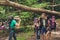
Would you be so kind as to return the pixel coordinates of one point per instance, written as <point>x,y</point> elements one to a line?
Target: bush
<point>24,29</point>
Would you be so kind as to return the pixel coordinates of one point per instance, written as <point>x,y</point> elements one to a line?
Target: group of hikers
<point>44,25</point>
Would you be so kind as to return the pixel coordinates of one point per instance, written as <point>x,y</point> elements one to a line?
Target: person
<point>48,34</point>
<point>37,31</point>
<point>48,26</point>
<point>43,24</point>
<point>12,26</point>
<point>2,26</point>
<point>6,25</point>
<point>53,24</point>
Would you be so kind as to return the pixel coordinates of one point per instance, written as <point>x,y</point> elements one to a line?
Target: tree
<point>26,8</point>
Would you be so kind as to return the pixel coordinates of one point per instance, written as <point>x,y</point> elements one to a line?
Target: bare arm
<point>18,23</point>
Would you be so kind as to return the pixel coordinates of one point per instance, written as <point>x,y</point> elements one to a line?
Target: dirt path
<point>32,38</point>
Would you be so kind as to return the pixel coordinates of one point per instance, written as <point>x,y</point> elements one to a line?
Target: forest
<point>5,11</point>
<point>50,7</point>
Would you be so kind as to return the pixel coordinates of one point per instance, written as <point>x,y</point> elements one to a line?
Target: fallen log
<point>26,8</point>
<point>55,35</point>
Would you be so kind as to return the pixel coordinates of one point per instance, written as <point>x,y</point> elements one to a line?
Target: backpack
<point>1,27</point>
<point>53,23</point>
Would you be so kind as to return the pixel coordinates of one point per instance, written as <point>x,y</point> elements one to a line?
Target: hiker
<point>53,23</point>
<point>12,26</point>
<point>37,31</point>
<point>2,26</point>
<point>43,24</point>
<point>48,28</point>
<point>6,25</point>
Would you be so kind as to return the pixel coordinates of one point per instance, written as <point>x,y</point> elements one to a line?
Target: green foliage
<point>1,8</point>
<point>26,29</point>
<point>28,2</point>
<point>26,17</point>
<point>2,12</point>
<point>41,5</point>
<point>24,36</point>
<point>58,7</point>
<point>25,14</point>
<point>57,1</point>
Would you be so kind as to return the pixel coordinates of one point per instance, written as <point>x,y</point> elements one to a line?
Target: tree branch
<point>26,8</point>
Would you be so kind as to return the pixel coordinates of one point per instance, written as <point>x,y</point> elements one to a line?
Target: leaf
<point>42,5</point>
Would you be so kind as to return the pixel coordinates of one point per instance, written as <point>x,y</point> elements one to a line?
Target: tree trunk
<point>26,8</point>
<point>53,3</point>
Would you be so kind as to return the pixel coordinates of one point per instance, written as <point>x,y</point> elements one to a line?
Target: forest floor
<point>20,36</point>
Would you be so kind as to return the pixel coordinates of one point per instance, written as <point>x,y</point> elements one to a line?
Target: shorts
<point>53,29</point>
<point>43,30</point>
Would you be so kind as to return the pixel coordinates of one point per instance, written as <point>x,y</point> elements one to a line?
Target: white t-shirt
<point>43,22</point>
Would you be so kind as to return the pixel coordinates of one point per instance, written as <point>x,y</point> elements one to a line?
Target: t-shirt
<point>43,22</point>
<point>53,25</point>
<point>1,27</point>
<point>12,24</point>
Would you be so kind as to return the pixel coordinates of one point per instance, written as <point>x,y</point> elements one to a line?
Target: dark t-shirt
<point>53,25</point>
<point>41,23</point>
